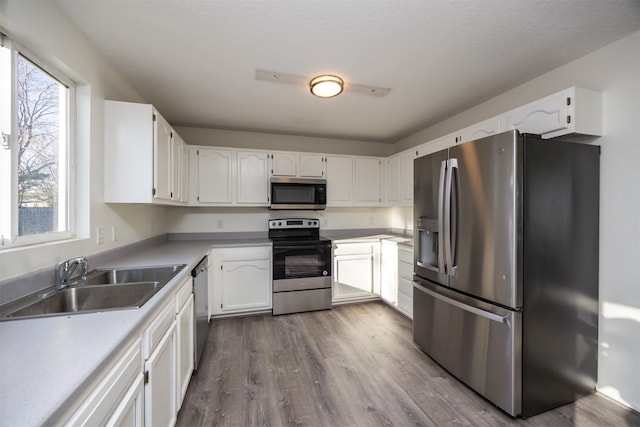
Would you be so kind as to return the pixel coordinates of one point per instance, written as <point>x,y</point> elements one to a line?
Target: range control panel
<point>275,224</point>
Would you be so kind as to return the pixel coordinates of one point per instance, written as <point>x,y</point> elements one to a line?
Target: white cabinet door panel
<point>253,178</point>
<point>160,391</point>
<point>244,285</point>
<point>214,177</point>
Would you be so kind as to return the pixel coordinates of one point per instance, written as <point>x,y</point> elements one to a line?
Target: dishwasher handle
<point>201,267</point>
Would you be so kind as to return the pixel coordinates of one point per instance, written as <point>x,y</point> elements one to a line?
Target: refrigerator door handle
<point>466,307</point>
<point>441,226</point>
<point>449,233</point>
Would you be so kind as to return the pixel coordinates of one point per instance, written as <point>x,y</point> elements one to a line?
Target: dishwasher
<point>201,311</point>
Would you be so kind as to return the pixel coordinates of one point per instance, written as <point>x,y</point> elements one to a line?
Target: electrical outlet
<point>99,235</point>
<point>114,234</point>
<point>220,224</point>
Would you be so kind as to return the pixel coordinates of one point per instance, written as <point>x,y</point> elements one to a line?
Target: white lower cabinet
<point>405,280</point>
<point>241,279</point>
<point>185,340</point>
<point>160,370</point>
<point>356,270</point>
<point>396,271</point>
<point>130,412</point>
<point>146,385</point>
<point>112,395</point>
<point>389,271</point>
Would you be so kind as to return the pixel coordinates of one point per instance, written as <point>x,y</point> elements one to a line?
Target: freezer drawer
<point>477,342</point>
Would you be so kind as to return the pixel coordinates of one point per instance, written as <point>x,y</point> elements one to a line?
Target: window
<point>36,149</point>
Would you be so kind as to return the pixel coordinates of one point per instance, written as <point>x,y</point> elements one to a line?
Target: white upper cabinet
<point>301,165</point>
<point>312,165</point>
<point>393,180</point>
<point>574,110</point>
<point>339,181</point>
<point>210,176</point>
<point>483,129</point>
<point>228,177</point>
<point>406,176</point>
<point>141,164</point>
<point>163,149</point>
<point>284,164</point>
<point>253,178</point>
<point>368,181</point>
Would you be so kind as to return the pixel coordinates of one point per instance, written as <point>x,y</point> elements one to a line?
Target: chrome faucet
<point>65,269</point>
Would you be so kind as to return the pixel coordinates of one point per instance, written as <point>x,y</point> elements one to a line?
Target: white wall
<point>272,141</point>
<point>615,71</point>
<point>214,220</point>
<point>41,27</point>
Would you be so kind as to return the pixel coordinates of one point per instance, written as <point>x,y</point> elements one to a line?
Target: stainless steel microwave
<point>298,193</point>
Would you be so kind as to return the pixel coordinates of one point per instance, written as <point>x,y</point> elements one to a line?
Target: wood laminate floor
<point>354,365</point>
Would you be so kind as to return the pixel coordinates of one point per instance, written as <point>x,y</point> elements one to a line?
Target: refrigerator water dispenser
<point>428,243</point>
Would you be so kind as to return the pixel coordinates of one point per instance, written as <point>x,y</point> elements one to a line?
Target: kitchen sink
<point>101,290</point>
<point>162,273</point>
<point>93,298</point>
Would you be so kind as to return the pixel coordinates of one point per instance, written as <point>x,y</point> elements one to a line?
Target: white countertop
<point>47,364</point>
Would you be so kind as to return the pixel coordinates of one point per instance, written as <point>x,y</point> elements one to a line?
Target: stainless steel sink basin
<point>92,298</point>
<point>103,289</point>
<point>162,273</point>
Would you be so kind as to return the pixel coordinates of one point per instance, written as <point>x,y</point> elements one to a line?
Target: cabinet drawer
<point>246,253</point>
<point>106,397</point>
<point>186,289</point>
<point>405,287</point>
<point>353,248</point>
<point>405,270</point>
<point>405,255</point>
<point>153,334</point>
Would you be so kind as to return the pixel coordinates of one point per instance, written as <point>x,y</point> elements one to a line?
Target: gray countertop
<point>47,365</point>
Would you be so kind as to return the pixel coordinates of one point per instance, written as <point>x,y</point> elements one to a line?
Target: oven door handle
<point>305,246</point>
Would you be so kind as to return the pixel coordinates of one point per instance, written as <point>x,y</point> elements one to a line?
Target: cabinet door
<point>405,282</point>
<point>185,349</point>
<point>177,167</point>
<point>368,178</point>
<point>483,129</point>
<point>160,390</point>
<point>389,271</point>
<point>214,176</point>
<point>246,285</point>
<point>356,270</point>
<point>393,180</point>
<point>184,175</point>
<point>312,165</point>
<point>111,395</point>
<point>339,180</point>
<point>284,164</point>
<point>406,176</point>
<point>130,412</point>
<point>353,276</point>
<point>253,178</point>
<point>162,158</point>
<point>545,116</point>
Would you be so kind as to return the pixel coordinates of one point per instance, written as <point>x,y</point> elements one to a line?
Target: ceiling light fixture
<point>326,86</point>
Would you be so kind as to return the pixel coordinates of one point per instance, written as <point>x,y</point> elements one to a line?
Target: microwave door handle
<point>443,172</point>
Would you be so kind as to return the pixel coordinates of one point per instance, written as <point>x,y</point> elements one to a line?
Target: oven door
<point>297,259</point>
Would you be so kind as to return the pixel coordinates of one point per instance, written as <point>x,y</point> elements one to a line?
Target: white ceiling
<point>196,60</point>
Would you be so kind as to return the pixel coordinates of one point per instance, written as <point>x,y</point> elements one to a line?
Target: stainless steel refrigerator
<point>506,267</point>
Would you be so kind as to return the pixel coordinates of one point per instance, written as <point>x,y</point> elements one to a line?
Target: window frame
<point>68,175</point>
